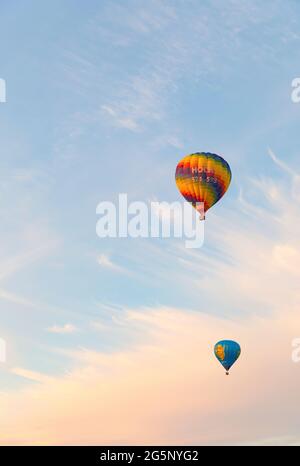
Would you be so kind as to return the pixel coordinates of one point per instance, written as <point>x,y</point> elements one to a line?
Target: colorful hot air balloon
<point>227,352</point>
<point>203,178</point>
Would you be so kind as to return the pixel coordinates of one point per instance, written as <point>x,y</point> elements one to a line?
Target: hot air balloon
<point>202,178</point>
<point>227,352</point>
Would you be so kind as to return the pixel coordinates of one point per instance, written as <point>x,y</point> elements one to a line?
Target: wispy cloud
<point>13,264</point>
<point>281,164</point>
<point>31,375</point>
<point>123,122</point>
<point>62,329</point>
<point>172,54</point>
<point>105,261</point>
<point>16,299</point>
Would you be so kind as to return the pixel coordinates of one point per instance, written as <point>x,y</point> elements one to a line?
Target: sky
<point>110,340</point>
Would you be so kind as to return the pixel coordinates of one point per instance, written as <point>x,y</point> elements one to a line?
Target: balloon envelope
<point>203,177</point>
<point>227,352</point>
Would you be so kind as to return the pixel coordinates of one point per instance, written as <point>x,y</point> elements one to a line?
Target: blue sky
<point>105,98</point>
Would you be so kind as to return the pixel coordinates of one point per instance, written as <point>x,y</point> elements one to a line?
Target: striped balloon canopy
<point>203,178</point>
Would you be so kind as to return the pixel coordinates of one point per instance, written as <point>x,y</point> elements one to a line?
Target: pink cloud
<point>168,390</point>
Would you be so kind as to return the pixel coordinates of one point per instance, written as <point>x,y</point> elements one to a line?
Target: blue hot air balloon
<point>227,352</point>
